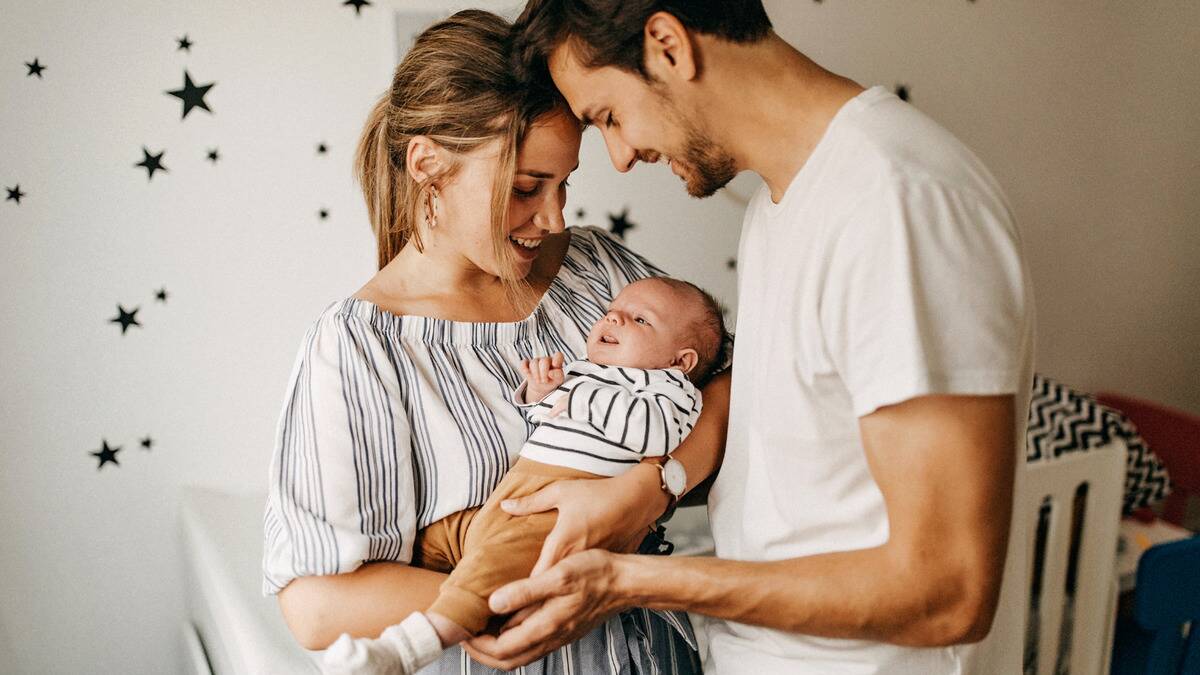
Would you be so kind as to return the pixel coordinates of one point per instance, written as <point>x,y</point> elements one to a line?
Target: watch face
<point>675,477</point>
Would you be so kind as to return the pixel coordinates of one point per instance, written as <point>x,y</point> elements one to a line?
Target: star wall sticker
<point>902,92</point>
<point>322,148</point>
<point>126,318</point>
<point>323,214</point>
<point>106,454</point>
<point>213,155</point>
<point>151,162</point>
<point>14,194</point>
<point>191,95</point>
<point>35,68</point>
<point>147,443</point>
<point>161,295</point>
<point>619,224</point>
<point>185,45</point>
<point>357,4</point>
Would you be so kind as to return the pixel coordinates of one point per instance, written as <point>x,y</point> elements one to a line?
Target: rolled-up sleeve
<point>341,479</point>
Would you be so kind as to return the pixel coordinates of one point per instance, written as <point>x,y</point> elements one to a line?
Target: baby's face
<point>644,327</point>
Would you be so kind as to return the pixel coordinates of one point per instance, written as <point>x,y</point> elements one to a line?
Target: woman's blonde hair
<point>456,87</point>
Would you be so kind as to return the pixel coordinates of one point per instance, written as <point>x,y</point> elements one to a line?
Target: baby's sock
<point>402,649</point>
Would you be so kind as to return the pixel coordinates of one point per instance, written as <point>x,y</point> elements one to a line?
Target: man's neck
<point>769,105</point>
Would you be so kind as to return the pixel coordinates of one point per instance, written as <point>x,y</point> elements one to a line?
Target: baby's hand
<point>544,374</point>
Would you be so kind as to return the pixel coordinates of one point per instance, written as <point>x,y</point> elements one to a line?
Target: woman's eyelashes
<point>609,122</point>
<point>533,192</point>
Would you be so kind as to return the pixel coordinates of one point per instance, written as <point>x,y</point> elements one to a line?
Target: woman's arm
<point>362,603</point>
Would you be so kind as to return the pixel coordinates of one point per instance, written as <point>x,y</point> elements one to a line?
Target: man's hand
<point>543,374</point>
<point>566,602</point>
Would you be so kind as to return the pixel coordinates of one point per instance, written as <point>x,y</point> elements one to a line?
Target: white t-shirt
<point>890,269</point>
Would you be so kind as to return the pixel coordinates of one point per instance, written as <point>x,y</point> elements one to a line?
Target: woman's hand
<point>608,513</point>
<point>556,607</point>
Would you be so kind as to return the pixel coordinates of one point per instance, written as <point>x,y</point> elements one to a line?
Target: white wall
<point>1084,113</point>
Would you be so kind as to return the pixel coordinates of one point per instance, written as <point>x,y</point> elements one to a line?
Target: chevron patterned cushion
<point>1062,420</point>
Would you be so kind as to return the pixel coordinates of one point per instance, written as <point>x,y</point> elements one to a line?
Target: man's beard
<point>706,167</point>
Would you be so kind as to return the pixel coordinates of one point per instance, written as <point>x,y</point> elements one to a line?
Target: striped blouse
<point>392,422</point>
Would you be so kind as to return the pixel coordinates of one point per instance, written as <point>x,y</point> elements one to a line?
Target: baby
<point>635,396</point>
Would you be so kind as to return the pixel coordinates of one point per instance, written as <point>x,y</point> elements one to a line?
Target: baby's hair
<point>707,332</point>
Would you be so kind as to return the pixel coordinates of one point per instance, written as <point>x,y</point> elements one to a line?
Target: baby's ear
<point>685,360</point>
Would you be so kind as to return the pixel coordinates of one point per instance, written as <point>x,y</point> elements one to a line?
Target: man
<point>881,371</point>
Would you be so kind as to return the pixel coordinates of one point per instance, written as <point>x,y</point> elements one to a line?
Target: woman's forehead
<point>551,146</point>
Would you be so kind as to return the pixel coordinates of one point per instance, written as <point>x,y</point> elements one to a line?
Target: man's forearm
<point>864,594</point>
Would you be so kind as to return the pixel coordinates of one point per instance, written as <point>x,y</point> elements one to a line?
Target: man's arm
<point>944,465</point>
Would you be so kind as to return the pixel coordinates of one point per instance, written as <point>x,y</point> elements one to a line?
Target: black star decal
<point>14,194</point>
<point>321,149</point>
<point>151,162</point>
<point>35,68</point>
<point>902,92</point>
<point>191,95</point>
<point>618,224</point>
<point>580,213</point>
<point>213,155</point>
<point>106,454</point>
<point>126,319</point>
<point>323,213</point>
<point>185,44</point>
<point>357,4</point>
<point>161,295</point>
<point>147,442</point>
<point>731,263</point>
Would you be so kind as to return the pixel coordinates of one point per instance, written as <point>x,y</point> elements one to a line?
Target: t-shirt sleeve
<point>341,480</point>
<point>926,294</point>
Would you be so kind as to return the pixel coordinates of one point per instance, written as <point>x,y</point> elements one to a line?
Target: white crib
<point>1071,510</point>
<point>231,628</point>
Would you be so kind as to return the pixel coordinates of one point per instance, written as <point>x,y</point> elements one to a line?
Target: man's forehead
<point>573,79</point>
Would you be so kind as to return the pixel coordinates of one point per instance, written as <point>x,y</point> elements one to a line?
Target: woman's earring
<point>431,207</point>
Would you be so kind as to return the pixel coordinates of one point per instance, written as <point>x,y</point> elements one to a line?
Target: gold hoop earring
<point>431,206</point>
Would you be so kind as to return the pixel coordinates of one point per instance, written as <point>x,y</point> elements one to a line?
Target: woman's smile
<point>526,249</point>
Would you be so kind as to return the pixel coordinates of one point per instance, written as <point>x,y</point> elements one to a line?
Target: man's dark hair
<point>610,32</point>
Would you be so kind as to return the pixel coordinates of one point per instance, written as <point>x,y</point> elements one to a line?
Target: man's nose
<point>622,154</point>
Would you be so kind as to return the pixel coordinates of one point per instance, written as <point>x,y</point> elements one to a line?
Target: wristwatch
<point>674,483</point>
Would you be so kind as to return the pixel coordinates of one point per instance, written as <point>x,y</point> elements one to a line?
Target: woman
<point>398,414</point>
